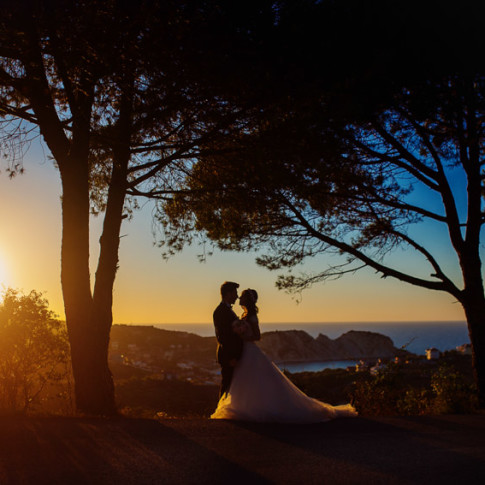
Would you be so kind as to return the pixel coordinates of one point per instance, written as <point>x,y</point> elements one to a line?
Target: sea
<point>414,336</point>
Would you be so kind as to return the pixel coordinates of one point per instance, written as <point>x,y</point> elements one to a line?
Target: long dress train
<point>260,392</point>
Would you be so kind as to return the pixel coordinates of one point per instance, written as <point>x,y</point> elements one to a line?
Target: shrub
<point>380,394</point>
<point>417,388</point>
<point>34,354</point>
<point>330,385</point>
<point>452,393</point>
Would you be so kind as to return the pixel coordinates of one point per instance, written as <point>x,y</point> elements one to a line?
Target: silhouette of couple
<point>253,388</point>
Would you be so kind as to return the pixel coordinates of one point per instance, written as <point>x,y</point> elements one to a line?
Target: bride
<point>260,391</point>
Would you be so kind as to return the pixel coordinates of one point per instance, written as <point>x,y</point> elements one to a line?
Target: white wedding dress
<point>260,392</point>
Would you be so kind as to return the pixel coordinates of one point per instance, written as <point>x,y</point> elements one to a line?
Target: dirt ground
<point>401,450</point>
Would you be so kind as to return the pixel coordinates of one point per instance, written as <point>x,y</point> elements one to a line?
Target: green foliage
<point>417,388</point>
<point>414,401</point>
<point>34,354</point>
<point>382,394</point>
<point>452,393</point>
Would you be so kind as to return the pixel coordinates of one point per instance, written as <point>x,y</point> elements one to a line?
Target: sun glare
<point>3,273</point>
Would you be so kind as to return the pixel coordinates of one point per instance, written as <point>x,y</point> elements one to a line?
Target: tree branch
<point>347,248</point>
<point>19,112</point>
<point>444,189</point>
<point>38,92</point>
<point>395,204</point>
<point>406,154</point>
<point>382,157</point>
<point>439,272</point>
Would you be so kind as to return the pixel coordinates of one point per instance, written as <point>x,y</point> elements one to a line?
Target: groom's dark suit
<point>229,346</point>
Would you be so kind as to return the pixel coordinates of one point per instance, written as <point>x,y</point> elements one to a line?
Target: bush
<point>417,388</point>
<point>34,355</point>
<point>384,394</point>
<point>330,385</point>
<point>452,393</point>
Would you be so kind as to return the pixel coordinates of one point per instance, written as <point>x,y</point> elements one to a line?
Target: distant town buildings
<point>165,360</point>
<point>465,349</point>
<point>374,370</point>
<point>432,353</point>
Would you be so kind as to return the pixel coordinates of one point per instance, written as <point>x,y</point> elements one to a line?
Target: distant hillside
<point>165,352</point>
<point>172,351</point>
<point>164,342</point>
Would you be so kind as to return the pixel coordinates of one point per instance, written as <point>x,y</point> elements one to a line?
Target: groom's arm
<point>225,334</point>
<point>223,325</point>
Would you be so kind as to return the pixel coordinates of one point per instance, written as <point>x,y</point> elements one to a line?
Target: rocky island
<point>299,346</point>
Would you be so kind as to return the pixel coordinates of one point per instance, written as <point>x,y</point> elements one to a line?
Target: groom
<point>230,345</point>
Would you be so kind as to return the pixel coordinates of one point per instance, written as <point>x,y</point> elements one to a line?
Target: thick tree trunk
<point>88,320</point>
<point>474,306</point>
<point>93,383</point>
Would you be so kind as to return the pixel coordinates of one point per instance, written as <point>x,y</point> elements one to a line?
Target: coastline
<point>295,367</point>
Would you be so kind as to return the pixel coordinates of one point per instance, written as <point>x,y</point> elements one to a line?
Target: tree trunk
<point>102,315</point>
<point>93,383</point>
<point>88,323</point>
<point>474,306</point>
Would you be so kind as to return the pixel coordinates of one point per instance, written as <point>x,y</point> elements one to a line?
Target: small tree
<point>34,350</point>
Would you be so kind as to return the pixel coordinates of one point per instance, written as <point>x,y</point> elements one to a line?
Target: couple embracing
<point>253,388</point>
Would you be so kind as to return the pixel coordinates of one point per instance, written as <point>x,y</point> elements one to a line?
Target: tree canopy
<point>350,164</point>
<point>124,95</point>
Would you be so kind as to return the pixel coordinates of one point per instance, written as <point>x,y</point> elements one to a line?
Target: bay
<point>294,367</point>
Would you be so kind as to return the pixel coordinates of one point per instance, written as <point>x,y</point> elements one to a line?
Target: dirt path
<point>430,450</point>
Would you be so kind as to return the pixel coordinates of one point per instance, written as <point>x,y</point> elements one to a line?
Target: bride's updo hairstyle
<point>248,299</point>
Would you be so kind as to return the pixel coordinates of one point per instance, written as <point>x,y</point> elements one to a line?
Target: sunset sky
<point>182,290</point>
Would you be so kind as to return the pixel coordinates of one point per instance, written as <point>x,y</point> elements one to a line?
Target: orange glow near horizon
<point>361,298</point>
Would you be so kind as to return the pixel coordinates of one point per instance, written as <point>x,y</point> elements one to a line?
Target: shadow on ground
<point>448,449</point>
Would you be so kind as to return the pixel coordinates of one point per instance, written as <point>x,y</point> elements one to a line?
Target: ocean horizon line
<point>357,322</point>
